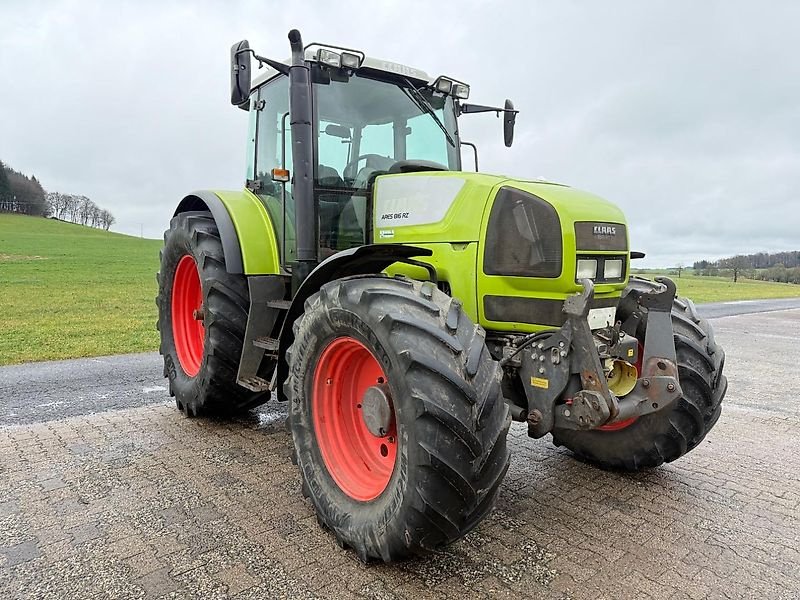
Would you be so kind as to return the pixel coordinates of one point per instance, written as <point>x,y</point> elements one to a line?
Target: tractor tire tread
<point>462,459</point>
<point>213,391</point>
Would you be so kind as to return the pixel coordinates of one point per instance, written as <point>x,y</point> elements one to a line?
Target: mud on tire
<point>451,419</point>
<point>665,435</point>
<point>213,389</point>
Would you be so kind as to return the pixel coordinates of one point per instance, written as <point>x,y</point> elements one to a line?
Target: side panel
<point>247,225</point>
<point>430,207</point>
<point>454,264</point>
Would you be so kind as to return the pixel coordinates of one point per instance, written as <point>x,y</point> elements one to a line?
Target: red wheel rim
<point>626,422</point>
<point>359,462</point>
<point>187,331</point>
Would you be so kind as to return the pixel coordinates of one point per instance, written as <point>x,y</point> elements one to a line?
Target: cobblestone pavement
<point>141,502</point>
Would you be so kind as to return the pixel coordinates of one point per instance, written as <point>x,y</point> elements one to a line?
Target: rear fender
<point>245,227</point>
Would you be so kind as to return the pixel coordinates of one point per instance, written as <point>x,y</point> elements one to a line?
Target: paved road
<point>140,502</point>
<point>40,392</point>
<point>714,310</point>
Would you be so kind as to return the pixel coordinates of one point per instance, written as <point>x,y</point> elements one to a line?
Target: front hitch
<point>547,369</point>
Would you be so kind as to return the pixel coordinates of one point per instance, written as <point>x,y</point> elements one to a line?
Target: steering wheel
<point>351,167</point>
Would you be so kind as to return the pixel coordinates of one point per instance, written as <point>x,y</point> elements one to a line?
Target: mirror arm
<point>262,60</point>
<point>479,108</point>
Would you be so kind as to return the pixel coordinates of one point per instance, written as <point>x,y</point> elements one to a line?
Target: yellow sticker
<point>630,352</point>
<point>540,382</point>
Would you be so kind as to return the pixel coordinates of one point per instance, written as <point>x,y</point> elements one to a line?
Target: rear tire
<point>666,435</point>
<point>449,418</point>
<point>201,361</point>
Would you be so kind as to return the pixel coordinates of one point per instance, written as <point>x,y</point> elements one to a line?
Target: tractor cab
<point>369,117</point>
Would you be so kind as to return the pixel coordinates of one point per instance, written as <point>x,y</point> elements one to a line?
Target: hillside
<point>69,290</point>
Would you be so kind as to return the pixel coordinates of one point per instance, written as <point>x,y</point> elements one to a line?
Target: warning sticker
<point>386,233</point>
<point>540,382</point>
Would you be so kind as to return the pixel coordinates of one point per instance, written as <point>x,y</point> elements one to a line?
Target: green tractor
<point>408,310</point>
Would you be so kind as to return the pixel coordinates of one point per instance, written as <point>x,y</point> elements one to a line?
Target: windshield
<point>367,125</point>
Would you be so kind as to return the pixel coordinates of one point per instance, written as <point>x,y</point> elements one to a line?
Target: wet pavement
<point>136,501</point>
<point>41,392</point>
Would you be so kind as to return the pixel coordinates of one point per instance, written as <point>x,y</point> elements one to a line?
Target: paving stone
<point>141,502</point>
<point>20,553</point>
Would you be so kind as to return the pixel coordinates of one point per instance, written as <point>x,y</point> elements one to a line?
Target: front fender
<point>364,260</point>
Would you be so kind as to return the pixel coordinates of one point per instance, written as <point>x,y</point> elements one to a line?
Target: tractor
<point>408,310</point>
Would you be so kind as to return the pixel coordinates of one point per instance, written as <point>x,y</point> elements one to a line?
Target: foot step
<point>254,384</point>
<point>267,343</point>
<point>279,304</point>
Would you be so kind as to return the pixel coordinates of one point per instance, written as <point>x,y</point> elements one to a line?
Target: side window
<point>273,148</point>
<point>273,104</point>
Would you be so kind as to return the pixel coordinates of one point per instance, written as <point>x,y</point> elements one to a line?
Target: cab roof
<point>374,64</point>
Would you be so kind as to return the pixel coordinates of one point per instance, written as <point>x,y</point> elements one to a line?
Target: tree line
<point>783,267</point>
<point>25,195</point>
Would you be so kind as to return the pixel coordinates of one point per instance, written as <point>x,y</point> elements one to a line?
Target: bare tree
<point>107,219</point>
<point>737,264</point>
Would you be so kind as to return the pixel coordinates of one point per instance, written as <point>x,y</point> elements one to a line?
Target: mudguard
<point>245,227</point>
<point>364,260</point>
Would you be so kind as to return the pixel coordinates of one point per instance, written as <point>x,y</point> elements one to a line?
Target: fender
<point>364,260</point>
<point>245,227</point>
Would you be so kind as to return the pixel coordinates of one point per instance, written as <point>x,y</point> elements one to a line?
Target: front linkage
<point>567,365</point>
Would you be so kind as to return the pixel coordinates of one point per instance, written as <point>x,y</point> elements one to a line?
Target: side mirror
<point>509,118</point>
<point>339,131</point>
<point>240,73</point>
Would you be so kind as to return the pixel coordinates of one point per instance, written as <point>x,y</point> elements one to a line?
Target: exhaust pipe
<point>302,161</point>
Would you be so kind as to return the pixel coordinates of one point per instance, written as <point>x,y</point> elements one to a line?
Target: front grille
<point>593,235</point>
<point>535,311</point>
<point>523,237</point>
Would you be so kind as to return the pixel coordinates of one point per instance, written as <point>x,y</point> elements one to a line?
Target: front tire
<point>202,315</point>
<point>433,470</point>
<point>666,435</point>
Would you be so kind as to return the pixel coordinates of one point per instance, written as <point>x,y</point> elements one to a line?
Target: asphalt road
<point>40,392</point>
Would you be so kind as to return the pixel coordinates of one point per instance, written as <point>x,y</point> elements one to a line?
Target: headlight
<point>587,268</point>
<point>350,60</point>
<point>329,57</point>
<point>461,90</point>
<point>613,269</point>
<point>444,85</point>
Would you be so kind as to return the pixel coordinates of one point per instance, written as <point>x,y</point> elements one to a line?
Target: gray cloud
<point>686,114</point>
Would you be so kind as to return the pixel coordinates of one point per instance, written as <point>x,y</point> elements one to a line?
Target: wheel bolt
<point>670,387</point>
<point>198,314</point>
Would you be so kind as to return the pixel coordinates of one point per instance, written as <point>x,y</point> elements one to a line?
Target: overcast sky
<point>686,114</point>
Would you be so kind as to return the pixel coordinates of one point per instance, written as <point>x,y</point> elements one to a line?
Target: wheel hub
<point>354,419</point>
<point>376,410</point>
<point>188,330</point>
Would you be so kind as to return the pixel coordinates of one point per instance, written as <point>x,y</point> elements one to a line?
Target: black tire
<point>666,435</point>
<point>451,419</point>
<point>213,390</point>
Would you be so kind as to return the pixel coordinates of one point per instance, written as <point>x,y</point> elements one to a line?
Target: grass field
<point>69,291</point>
<point>722,289</point>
